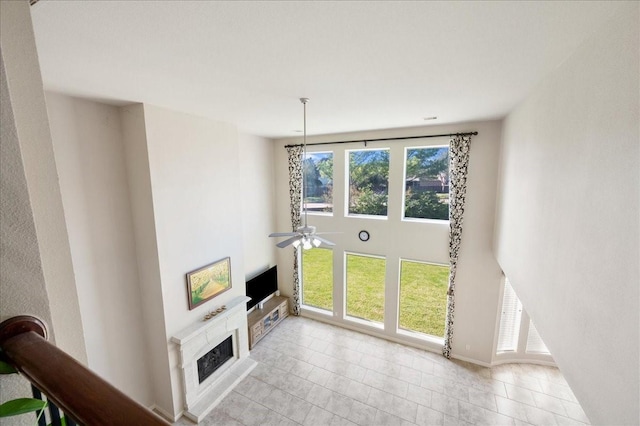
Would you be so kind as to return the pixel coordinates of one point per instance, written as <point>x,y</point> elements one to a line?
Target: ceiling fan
<point>306,234</point>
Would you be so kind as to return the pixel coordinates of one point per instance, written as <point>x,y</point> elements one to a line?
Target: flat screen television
<point>262,286</point>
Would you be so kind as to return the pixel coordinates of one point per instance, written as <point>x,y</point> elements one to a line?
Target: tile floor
<point>311,373</point>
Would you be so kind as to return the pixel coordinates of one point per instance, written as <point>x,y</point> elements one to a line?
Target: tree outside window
<point>318,182</point>
<point>427,183</point>
<point>368,182</point>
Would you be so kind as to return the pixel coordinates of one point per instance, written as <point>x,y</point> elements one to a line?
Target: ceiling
<point>364,65</point>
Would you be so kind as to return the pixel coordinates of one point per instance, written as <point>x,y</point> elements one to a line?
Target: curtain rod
<point>387,139</point>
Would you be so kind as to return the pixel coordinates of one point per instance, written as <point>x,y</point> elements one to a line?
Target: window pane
<point>317,278</point>
<point>368,182</point>
<point>318,181</point>
<point>427,183</point>
<point>509,320</point>
<point>423,297</point>
<point>365,287</point>
<point>534,341</point>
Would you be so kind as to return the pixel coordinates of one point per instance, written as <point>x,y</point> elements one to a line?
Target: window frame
<point>403,218</point>
<point>333,204</point>
<point>520,354</point>
<point>347,185</point>
<point>354,319</point>
<point>302,282</point>
<point>382,229</point>
<point>414,333</point>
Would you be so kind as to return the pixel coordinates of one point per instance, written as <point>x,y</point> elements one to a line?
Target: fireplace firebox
<point>214,359</point>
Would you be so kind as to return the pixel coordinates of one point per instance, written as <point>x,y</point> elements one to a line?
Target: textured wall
<point>24,85</point>
<point>22,289</point>
<point>567,224</point>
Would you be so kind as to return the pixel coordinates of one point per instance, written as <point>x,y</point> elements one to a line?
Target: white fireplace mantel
<point>196,340</point>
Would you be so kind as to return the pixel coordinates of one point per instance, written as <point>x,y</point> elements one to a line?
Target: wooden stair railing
<point>76,390</point>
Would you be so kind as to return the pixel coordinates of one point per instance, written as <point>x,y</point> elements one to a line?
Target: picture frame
<point>208,282</point>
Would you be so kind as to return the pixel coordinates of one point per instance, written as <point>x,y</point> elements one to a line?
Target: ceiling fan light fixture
<point>305,234</point>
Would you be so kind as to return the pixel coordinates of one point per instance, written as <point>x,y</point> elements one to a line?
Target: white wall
<point>149,195</point>
<point>256,178</point>
<point>89,151</point>
<point>194,170</point>
<point>478,279</point>
<point>567,223</point>
<point>144,228</point>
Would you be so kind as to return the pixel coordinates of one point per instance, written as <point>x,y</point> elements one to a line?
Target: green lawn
<point>317,276</point>
<point>365,287</point>
<point>423,289</point>
<point>423,297</point>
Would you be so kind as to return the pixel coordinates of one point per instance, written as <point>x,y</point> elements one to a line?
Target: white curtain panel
<point>458,165</point>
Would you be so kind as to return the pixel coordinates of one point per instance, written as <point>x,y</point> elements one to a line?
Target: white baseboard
<point>525,361</point>
<point>471,360</point>
<point>164,414</point>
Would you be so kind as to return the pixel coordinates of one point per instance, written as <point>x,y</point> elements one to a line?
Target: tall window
<point>358,297</point>
<point>427,183</point>
<point>509,320</point>
<point>365,287</point>
<point>317,278</point>
<point>517,333</point>
<point>318,182</point>
<point>423,297</point>
<point>368,182</point>
<point>534,341</point>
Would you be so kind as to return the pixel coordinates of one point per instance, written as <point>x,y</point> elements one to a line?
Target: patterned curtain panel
<point>295,195</point>
<point>458,164</point>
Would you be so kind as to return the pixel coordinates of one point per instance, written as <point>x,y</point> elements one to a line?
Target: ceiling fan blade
<point>289,241</point>
<point>284,234</point>
<point>325,242</point>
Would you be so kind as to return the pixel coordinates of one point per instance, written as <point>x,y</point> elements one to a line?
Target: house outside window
<point>427,183</point>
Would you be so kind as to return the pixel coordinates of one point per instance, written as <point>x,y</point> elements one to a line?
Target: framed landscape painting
<point>209,281</point>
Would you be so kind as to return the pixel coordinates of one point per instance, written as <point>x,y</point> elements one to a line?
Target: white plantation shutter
<point>509,320</point>
<point>534,341</point>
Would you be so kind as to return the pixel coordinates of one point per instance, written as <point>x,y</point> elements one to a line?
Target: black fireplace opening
<point>213,359</point>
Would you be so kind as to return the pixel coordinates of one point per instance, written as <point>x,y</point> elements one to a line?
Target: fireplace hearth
<point>214,357</point>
